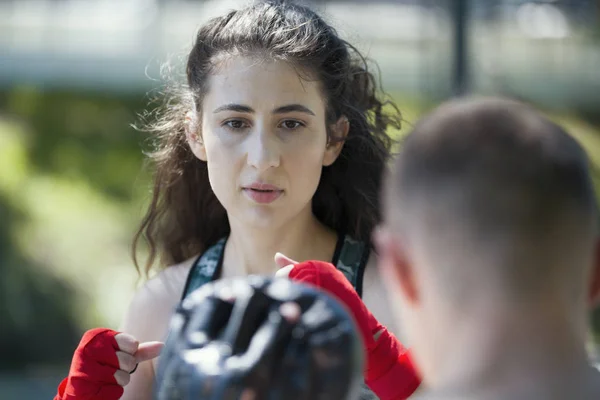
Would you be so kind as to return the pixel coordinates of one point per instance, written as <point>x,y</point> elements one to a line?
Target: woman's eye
<point>291,124</point>
<point>235,124</point>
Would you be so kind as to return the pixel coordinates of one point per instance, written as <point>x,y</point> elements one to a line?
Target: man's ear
<point>594,294</point>
<point>395,266</point>
<point>192,134</point>
<point>335,143</point>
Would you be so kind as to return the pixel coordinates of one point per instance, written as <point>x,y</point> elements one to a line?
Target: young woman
<point>277,144</point>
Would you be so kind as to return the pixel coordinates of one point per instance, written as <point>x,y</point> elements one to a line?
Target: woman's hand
<point>102,365</point>
<point>285,265</point>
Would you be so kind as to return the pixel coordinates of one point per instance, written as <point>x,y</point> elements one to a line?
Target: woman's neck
<point>251,251</point>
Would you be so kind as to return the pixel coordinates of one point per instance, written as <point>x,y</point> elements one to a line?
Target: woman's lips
<point>262,193</point>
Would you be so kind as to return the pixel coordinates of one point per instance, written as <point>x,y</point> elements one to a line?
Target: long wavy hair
<point>184,216</point>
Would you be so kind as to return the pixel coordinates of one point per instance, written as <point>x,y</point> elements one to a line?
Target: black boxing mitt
<point>230,340</point>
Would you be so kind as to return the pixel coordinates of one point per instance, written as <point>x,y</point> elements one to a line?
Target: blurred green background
<point>72,182</point>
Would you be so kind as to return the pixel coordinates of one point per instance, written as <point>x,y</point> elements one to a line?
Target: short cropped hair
<point>491,183</point>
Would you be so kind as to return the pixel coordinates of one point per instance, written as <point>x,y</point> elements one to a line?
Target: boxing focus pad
<point>229,339</point>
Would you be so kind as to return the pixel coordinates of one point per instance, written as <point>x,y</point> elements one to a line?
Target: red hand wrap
<point>92,373</point>
<point>389,371</point>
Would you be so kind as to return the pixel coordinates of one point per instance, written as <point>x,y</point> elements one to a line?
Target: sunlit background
<point>75,73</point>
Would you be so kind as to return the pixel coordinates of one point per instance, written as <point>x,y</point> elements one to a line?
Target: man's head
<point>488,203</point>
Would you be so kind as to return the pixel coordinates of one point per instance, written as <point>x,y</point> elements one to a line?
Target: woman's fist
<point>102,364</point>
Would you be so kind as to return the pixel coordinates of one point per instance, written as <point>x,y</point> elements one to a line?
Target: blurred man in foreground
<point>490,249</point>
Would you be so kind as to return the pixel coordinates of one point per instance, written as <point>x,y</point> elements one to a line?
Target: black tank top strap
<point>351,258</point>
<point>206,268</point>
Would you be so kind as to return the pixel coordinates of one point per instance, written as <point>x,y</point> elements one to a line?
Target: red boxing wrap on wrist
<point>92,373</point>
<point>389,372</point>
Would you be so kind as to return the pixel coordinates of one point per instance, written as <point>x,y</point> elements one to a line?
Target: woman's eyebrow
<point>234,107</point>
<point>279,110</point>
<point>291,108</point>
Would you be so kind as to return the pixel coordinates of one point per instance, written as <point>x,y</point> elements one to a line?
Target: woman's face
<point>264,138</point>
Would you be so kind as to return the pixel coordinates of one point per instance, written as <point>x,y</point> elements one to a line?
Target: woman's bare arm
<point>147,319</point>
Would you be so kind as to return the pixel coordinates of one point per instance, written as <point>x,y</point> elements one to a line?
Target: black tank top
<point>350,258</point>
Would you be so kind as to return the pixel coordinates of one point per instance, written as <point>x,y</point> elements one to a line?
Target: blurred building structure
<point>540,50</point>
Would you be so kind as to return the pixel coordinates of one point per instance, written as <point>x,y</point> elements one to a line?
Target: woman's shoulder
<point>169,282</point>
<point>153,303</point>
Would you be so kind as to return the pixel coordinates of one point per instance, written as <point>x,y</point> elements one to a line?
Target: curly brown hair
<point>184,216</point>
